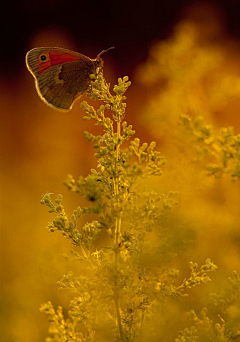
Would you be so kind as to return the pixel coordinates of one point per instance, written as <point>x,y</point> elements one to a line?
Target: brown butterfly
<point>61,75</point>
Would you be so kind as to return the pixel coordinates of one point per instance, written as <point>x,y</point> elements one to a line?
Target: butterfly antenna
<point>103,51</point>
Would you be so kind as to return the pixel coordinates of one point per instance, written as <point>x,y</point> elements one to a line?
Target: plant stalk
<point>117,231</point>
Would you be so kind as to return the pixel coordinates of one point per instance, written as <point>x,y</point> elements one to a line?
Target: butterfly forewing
<point>54,56</point>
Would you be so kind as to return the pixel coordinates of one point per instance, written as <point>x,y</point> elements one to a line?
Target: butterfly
<point>61,75</point>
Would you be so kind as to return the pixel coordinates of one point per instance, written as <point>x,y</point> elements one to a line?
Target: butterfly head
<point>99,61</point>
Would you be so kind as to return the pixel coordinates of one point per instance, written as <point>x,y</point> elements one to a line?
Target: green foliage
<point>122,283</point>
<point>227,323</point>
<point>223,150</point>
<point>187,335</point>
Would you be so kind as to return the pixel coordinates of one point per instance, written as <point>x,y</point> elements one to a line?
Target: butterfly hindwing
<point>61,84</point>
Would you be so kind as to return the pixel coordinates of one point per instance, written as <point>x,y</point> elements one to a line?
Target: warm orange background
<point>194,69</point>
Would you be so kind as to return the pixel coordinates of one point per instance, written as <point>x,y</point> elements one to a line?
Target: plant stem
<point>120,329</point>
<point>117,230</point>
<point>116,190</point>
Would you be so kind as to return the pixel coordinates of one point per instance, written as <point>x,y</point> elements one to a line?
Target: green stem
<point>120,329</point>
<point>116,190</point>
<point>117,230</point>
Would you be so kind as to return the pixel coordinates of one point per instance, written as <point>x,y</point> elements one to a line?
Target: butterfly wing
<point>61,75</point>
<point>61,85</point>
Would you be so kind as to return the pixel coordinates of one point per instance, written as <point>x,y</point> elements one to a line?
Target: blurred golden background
<point>180,59</point>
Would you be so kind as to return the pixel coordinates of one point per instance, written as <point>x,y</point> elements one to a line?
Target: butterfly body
<point>61,75</point>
